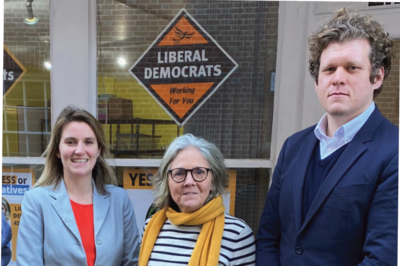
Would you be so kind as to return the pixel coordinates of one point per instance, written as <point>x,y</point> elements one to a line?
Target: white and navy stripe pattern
<point>175,244</point>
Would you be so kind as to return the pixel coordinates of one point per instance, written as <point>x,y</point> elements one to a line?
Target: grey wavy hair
<point>102,173</point>
<point>350,25</point>
<point>210,153</point>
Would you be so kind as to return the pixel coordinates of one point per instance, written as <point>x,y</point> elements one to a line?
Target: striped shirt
<point>175,244</point>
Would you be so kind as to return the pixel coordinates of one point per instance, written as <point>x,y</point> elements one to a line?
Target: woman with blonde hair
<point>192,227</point>
<point>75,215</point>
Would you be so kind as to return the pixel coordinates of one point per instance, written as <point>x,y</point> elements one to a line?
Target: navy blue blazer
<point>48,233</point>
<point>353,217</point>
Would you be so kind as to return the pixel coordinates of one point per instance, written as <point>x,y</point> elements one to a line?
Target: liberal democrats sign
<point>183,67</point>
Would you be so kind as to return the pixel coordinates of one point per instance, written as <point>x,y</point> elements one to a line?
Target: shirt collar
<point>350,129</point>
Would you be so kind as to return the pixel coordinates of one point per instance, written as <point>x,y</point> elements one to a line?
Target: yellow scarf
<point>208,245</point>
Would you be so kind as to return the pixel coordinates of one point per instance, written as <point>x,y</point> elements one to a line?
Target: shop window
<point>237,117</point>
<point>26,78</point>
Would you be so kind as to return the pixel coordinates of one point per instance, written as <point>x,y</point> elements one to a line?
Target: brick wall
<point>388,99</point>
<point>238,117</point>
<point>29,43</point>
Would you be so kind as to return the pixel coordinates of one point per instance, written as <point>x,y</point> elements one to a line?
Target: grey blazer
<point>48,234</point>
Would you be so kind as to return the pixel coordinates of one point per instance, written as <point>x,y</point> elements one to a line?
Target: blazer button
<point>299,250</point>
<point>98,242</point>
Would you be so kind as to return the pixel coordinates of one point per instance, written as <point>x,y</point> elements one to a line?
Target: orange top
<point>84,220</point>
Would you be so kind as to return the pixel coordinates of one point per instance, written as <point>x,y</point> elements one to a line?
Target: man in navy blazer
<point>333,197</point>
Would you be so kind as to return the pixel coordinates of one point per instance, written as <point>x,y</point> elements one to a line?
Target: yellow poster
<point>15,182</point>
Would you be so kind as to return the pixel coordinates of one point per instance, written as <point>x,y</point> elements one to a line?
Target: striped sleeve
<point>238,244</point>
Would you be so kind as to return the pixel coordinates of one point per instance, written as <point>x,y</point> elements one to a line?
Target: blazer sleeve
<point>5,240</point>
<point>269,231</point>
<point>130,254</point>
<point>380,247</point>
<point>5,232</point>
<point>30,233</point>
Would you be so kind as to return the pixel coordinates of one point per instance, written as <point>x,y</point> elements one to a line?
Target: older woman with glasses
<point>192,227</point>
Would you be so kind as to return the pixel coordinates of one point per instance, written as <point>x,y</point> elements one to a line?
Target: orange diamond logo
<point>183,67</point>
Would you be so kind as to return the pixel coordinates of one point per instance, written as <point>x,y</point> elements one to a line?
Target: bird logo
<point>182,35</point>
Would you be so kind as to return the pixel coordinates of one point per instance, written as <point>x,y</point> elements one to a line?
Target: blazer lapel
<point>354,150</point>
<point>101,205</point>
<point>63,208</point>
<point>304,156</point>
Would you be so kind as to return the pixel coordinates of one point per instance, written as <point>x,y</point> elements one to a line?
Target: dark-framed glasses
<point>199,174</point>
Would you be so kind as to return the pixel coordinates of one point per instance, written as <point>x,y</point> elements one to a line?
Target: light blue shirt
<point>342,135</point>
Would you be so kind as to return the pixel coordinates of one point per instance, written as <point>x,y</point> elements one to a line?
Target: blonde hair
<point>52,174</point>
<point>350,25</point>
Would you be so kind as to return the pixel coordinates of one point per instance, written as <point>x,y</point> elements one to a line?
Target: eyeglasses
<point>199,174</point>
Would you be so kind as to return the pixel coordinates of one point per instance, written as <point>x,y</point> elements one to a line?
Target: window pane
<point>237,117</point>
<point>26,97</point>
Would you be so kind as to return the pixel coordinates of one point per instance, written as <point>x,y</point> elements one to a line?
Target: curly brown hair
<point>349,25</point>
